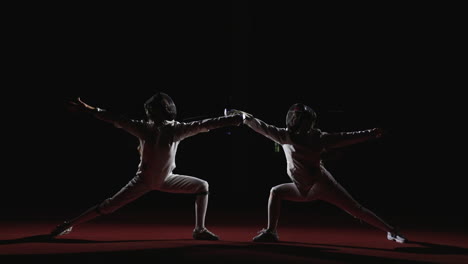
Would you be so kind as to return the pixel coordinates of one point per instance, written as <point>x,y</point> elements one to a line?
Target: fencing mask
<point>300,118</point>
<point>160,107</point>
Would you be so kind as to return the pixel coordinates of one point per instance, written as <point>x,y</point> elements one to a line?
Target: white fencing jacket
<point>303,151</point>
<point>159,142</point>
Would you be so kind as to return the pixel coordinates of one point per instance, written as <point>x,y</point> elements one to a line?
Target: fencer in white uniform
<point>303,145</point>
<point>159,137</point>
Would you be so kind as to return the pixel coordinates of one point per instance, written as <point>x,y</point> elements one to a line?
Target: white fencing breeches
<point>329,191</point>
<point>138,186</point>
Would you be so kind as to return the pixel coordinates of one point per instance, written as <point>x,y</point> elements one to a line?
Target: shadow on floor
<point>220,252</point>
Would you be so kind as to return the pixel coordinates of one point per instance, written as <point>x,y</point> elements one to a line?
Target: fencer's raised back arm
<point>134,127</point>
<point>184,130</point>
<point>272,132</point>
<point>342,139</point>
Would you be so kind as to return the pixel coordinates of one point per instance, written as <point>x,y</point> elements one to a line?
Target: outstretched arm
<point>276,134</point>
<point>134,127</point>
<point>337,140</point>
<point>184,130</point>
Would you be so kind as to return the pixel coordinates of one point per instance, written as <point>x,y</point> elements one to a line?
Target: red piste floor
<point>334,240</point>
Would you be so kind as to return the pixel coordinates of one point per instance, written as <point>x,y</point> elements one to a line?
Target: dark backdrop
<point>358,66</point>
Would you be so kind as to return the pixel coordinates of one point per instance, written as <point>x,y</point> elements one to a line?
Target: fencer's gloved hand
<point>245,115</point>
<point>80,106</point>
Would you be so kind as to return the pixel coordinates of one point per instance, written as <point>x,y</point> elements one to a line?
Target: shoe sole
<point>64,232</point>
<point>397,240</point>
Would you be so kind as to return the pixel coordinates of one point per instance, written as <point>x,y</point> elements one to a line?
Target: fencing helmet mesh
<point>300,118</point>
<point>160,107</point>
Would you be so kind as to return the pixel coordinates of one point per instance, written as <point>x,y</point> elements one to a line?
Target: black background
<point>359,67</point>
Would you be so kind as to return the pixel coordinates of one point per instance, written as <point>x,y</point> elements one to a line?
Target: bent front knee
<point>274,192</point>
<point>204,188</point>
